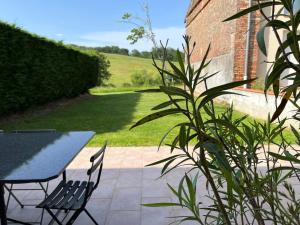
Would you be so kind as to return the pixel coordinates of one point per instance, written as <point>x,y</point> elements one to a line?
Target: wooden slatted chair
<point>74,195</point>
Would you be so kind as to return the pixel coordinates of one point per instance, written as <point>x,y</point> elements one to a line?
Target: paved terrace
<point>125,185</point>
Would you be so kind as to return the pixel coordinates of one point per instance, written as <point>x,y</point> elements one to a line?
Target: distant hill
<point>122,67</point>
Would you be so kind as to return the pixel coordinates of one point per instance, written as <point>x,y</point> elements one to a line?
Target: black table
<point>36,157</point>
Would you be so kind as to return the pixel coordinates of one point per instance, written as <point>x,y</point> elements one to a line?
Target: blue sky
<point>94,22</point>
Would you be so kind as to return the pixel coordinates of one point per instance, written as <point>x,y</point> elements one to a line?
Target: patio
<point>125,185</point>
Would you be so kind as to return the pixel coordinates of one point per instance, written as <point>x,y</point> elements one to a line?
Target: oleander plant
<point>249,169</point>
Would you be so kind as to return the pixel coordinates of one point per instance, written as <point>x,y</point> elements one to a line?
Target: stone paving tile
<point>126,199</point>
<point>152,215</point>
<point>106,189</point>
<point>125,184</point>
<point>130,179</point>
<point>124,218</point>
<point>155,189</point>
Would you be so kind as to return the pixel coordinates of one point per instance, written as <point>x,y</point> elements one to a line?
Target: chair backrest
<point>35,131</point>
<point>97,164</point>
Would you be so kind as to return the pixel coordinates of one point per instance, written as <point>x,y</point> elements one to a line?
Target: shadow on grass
<point>100,113</point>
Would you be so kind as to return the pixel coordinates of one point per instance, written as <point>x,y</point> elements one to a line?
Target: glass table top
<point>37,157</point>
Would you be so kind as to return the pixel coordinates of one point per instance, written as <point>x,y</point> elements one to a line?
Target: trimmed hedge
<point>34,70</point>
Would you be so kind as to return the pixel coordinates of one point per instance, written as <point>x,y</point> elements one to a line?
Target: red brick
<point>204,24</point>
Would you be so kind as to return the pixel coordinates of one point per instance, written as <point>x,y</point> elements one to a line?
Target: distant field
<point>122,67</point>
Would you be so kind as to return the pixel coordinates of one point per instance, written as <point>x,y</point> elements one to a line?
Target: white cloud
<point>59,35</point>
<point>174,34</point>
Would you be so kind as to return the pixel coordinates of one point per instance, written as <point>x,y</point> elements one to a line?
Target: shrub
<point>34,70</point>
<point>144,78</point>
<point>103,66</point>
<point>126,85</point>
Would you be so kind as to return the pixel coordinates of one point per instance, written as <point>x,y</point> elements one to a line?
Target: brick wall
<point>204,24</point>
<point>240,43</point>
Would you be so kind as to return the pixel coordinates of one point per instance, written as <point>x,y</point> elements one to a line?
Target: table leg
<point>3,217</point>
<point>2,206</point>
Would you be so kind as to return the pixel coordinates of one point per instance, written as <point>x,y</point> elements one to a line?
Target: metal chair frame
<point>66,197</point>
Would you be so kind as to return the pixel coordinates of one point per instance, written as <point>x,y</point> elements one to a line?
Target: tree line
<point>157,53</point>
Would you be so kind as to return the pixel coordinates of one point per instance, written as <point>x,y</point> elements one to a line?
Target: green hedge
<point>34,70</point>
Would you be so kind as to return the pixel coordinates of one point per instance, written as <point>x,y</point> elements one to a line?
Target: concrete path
<point>125,185</point>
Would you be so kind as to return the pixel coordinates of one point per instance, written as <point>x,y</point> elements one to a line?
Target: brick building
<point>234,50</point>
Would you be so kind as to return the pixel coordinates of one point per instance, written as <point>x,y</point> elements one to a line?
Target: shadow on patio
<point>125,185</point>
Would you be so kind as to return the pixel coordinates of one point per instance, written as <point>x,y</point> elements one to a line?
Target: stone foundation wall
<point>254,104</point>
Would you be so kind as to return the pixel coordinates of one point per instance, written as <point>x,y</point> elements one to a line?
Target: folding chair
<point>74,195</point>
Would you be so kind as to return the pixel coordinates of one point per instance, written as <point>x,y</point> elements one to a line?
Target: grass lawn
<point>110,115</point>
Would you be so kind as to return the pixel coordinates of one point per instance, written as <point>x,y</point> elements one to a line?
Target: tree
<point>142,27</point>
<point>135,53</point>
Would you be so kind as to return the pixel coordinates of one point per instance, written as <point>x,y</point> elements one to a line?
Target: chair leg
<point>54,216</point>
<point>44,189</point>
<point>11,194</point>
<point>91,217</point>
<point>74,217</point>
<point>46,195</point>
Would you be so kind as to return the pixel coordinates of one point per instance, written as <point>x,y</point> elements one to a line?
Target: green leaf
<point>161,204</point>
<point>149,91</point>
<point>283,168</point>
<point>202,66</point>
<point>296,134</point>
<point>281,106</point>
<point>275,74</point>
<point>287,157</point>
<point>287,43</point>
<point>156,115</point>
<point>252,9</point>
<point>209,98</point>
<point>162,71</point>
<point>180,60</point>
<point>179,73</point>
<point>212,91</point>
<point>182,137</point>
<point>166,166</point>
<point>228,125</point>
<point>297,18</point>
<point>278,24</point>
<point>167,103</point>
<point>276,88</point>
<point>164,172</point>
<point>288,4</point>
<point>260,38</point>
<point>168,132</point>
<point>191,189</point>
<point>164,160</point>
<point>216,151</point>
<point>175,91</point>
